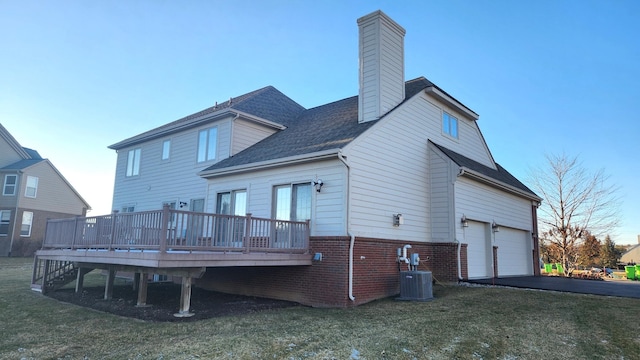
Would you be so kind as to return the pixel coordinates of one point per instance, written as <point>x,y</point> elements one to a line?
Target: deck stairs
<point>52,274</point>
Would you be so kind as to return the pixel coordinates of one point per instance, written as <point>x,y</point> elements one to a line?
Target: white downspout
<point>458,256</point>
<point>352,236</point>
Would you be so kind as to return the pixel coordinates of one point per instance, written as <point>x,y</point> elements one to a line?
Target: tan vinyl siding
<point>175,179</point>
<point>53,193</point>
<point>8,155</point>
<point>390,169</point>
<point>441,190</point>
<point>484,203</point>
<point>328,210</point>
<point>247,133</point>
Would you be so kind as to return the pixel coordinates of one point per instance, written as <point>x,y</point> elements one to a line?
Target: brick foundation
<point>326,282</point>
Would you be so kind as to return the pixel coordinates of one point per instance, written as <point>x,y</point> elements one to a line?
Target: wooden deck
<point>173,238</point>
<point>166,242</point>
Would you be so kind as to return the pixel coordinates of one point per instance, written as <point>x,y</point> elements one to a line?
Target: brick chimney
<point>381,42</point>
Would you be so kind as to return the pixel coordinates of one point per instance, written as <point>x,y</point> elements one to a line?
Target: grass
<point>462,322</point>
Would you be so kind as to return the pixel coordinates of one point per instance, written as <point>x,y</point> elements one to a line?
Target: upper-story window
<point>166,149</point>
<point>292,202</point>
<point>32,187</point>
<point>10,185</point>
<point>5,219</point>
<point>133,162</point>
<point>449,125</point>
<point>207,144</point>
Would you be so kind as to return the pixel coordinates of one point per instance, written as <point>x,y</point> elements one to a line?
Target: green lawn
<point>462,322</point>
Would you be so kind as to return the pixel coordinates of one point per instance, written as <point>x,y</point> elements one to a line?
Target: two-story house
<point>402,163</point>
<point>33,191</point>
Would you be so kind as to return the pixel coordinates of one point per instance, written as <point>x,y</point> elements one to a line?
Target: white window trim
<point>35,188</point>
<point>207,145</point>
<point>23,224</point>
<point>133,162</point>
<point>8,221</point>
<point>447,131</point>
<point>15,185</point>
<point>166,142</point>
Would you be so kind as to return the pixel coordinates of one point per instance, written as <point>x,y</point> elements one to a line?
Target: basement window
<point>449,124</point>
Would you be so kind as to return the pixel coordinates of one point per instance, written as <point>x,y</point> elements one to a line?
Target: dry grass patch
<point>462,322</point>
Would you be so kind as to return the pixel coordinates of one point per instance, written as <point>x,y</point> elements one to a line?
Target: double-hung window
<point>10,185</point>
<point>207,144</point>
<point>166,149</point>
<point>32,187</point>
<point>292,202</point>
<point>232,203</point>
<point>5,219</point>
<point>133,162</point>
<point>449,125</point>
<point>27,221</point>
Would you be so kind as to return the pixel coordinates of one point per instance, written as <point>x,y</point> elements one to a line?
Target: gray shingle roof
<point>267,103</point>
<point>500,174</point>
<point>326,127</point>
<point>22,164</point>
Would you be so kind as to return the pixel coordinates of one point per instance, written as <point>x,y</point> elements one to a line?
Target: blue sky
<point>545,76</point>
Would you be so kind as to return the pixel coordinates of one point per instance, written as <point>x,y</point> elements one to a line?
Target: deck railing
<point>176,230</point>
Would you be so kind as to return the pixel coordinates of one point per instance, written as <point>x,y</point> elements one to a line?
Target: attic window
<point>449,125</point>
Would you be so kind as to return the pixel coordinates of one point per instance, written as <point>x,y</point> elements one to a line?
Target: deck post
<point>75,231</point>
<point>307,235</point>
<point>80,279</point>
<point>45,276</point>
<point>108,287</point>
<point>166,216</point>
<point>135,285</point>
<point>185,298</point>
<point>247,233</point>
<point>142,289</point>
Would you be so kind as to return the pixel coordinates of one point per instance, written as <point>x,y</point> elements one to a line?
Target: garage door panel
<point>478,251</point>
<point>514,252</point>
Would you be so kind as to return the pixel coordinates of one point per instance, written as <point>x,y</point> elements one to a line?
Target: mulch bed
<point>163,300</point>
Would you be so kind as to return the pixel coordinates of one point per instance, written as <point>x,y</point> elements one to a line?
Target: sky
<point>545,76</point>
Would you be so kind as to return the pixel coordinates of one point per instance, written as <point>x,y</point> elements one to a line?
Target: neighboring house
<point>33,191</point>
<point>402,163</point>
<point>632,255</point>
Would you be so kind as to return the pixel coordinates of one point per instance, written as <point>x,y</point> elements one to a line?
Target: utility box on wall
<point>416,286</point>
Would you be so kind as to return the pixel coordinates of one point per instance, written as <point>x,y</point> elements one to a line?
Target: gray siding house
<point>402,163</point>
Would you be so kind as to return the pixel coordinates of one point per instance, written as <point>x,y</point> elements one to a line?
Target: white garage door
<point>514,252</point>
<point>479,253</point>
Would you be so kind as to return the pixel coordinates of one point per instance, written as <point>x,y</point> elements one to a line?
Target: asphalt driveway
<point>625,288</point>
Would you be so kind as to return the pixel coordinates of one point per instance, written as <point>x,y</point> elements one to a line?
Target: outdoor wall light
<point>464,221</point>
<point>318,184</point>
<point>495,227</point>
<point>183,204</point>
<point>398,219</point>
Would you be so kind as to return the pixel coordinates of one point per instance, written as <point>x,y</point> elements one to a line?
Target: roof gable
<point>267,103</point>
<point>498,174</point>
<point>326,127</point>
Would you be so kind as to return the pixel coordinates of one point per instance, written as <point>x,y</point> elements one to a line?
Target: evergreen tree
<point>609,255</point>
<point>589,253</point>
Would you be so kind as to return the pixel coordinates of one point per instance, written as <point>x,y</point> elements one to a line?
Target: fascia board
<point>451,102</point>
<point>496,184</point>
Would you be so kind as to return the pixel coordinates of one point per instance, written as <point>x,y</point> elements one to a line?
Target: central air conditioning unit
<point>416,286</point>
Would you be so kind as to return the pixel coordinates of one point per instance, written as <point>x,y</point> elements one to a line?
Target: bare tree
<point>575,202</point>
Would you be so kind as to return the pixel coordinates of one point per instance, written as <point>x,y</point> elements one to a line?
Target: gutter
<point>351,235</point>
<point>497,184</point>
<point>268,164</point>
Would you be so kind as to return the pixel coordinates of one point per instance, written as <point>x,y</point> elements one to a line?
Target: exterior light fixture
<point>495,227</point>
<point>318,184</point>
<point>398,219</point>
<point>464,221</point>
